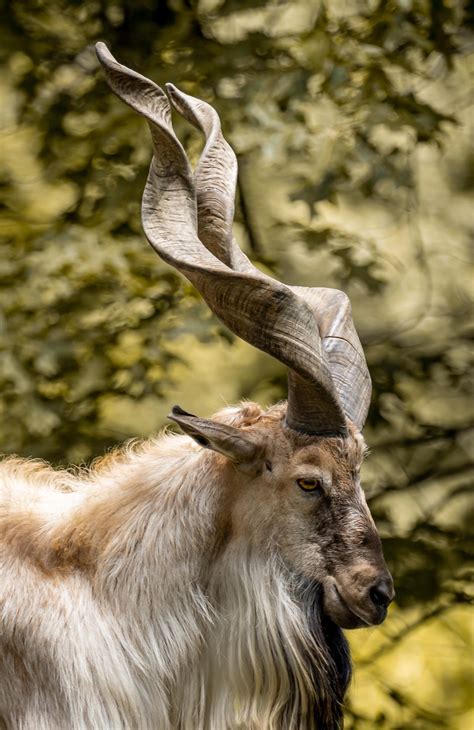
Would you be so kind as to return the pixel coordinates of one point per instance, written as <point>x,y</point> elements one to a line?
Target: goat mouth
<point>345,614</point>
<point>351,611</point>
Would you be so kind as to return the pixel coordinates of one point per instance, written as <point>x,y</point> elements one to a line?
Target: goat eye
<point>310,485</point>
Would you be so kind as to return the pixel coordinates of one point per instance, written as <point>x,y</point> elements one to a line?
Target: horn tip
<point>103,53</point>
<point>173,91</point>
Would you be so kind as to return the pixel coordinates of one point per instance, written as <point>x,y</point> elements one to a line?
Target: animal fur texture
<point>163,589</point>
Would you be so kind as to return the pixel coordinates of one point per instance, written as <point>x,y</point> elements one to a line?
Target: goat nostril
<point>380,595</point>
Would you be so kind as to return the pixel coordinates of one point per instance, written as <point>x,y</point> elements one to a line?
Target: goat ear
<point>245,452</point>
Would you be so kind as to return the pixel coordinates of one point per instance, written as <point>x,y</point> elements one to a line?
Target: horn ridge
<point>215,180</point>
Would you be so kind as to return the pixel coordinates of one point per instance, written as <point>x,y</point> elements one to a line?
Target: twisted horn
<point>215,181</point>
<point>271,316</point>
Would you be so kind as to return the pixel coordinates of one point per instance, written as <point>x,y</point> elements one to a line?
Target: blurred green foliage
<point>351,123</point>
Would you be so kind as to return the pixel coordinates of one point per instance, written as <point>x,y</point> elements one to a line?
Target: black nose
<point>382,593</point>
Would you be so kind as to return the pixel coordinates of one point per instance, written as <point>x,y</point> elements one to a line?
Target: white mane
<point>124,605</point>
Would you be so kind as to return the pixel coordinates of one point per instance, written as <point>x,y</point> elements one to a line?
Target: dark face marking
<point>333,538</point>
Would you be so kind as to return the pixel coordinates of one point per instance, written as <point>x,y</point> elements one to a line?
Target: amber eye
<point>310,485</point>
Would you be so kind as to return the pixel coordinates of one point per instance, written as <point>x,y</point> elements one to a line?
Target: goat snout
<point>379,596</point>
<point>359,597</point>
<point>382,593</point>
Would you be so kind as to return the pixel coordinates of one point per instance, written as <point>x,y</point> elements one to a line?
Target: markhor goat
<point>200,582</point>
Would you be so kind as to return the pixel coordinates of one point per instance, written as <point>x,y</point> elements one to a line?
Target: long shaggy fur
<point>124,603</point>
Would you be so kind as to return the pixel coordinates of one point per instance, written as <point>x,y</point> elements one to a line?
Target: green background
<point>352,124</point>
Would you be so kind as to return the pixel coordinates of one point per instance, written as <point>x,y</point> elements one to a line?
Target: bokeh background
<point>351,121</point>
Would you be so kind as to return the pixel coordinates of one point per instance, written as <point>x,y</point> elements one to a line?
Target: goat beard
<point>329,642</point>
<point>274,620</point>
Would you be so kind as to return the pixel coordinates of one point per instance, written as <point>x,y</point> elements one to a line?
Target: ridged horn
<point>309,330</point>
